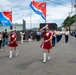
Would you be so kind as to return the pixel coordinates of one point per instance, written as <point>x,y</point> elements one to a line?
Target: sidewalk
<point>29,60</point>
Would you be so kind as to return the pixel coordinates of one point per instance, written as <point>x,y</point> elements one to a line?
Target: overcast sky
<point>56,13</point>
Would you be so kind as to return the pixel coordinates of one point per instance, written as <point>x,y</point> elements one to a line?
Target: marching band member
<point>12,43</point>
<point>22,35</point>
<point>66,35</point>
<point>57,36</point>
<point>46,44</point>
<point>53,38</point>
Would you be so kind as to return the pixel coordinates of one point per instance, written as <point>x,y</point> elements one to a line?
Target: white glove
<point>46,40</point>
<point>11,42</point>
<point>45,27</point>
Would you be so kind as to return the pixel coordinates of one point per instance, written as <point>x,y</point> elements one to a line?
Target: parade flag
<point>39,8</point>
<point>6,18</point>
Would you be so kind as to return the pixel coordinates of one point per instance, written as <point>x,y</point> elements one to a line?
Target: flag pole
<point>1,28</point>
<point>45,22</point>
<point>30,19</point>
<point>11,27</point>
<point>45,16</point>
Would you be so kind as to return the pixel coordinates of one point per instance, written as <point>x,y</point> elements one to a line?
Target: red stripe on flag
<point>8,14</point>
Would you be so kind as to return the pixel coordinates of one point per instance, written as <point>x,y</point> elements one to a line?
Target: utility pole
<point>30,19</point>
<point>69,20</point>
<point>75,13</point>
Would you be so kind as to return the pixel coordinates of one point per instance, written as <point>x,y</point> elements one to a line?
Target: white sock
<point>44,57</point>
<point>10,54</point>
<point>1,49</point>
<point>49,56</point>
<point>30,40</point>
<point>16,52</point>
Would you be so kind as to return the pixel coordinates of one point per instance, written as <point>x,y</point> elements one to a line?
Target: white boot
<point>49,56</point>
<point>16,52</point>
<point>44,56</point>
<point>30,40</point>
<point>10,54</point>
<point>1,49</point>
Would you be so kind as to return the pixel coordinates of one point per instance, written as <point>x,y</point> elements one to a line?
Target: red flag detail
<point>8,14</point>
<point>41,6</point>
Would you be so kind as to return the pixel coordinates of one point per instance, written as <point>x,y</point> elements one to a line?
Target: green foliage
<point>68,21</point>
<point>59,28</point>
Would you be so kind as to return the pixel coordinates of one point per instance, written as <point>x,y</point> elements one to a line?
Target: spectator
<point>22,35</point>
<point>38,33</point>
<point>3,37</point>
<point>6,37</point>
<point>30,36</point>
<point>0,40</point>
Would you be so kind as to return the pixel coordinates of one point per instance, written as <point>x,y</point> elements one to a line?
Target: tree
<point>59,28</point>
<point>69,21</point>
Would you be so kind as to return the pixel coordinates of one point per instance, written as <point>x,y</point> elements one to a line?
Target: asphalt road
<point>29,60</point>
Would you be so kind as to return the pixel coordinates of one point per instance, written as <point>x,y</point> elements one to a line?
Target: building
<point>52,26</point>
<point>73,26</point>
<point>16,25</point>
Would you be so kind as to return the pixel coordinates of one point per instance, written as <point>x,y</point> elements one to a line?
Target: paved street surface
<point>29,60</point>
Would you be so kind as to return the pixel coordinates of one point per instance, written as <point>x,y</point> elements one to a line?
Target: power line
<point>58,3</point>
